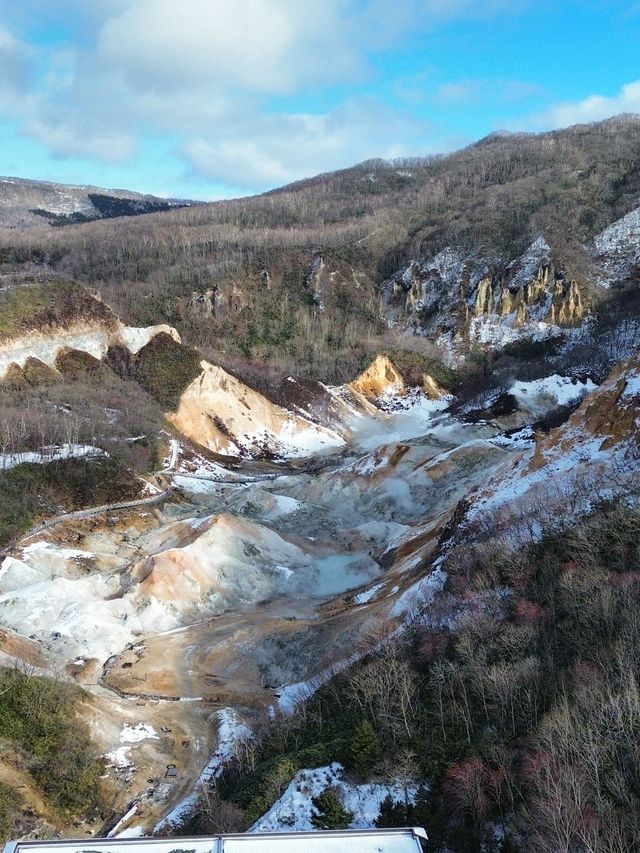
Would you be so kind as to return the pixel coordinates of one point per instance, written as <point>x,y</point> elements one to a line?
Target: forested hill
<point>293,278</point>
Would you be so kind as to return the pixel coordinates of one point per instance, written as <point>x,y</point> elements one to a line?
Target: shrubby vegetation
<point>330,813</point>
<point>38,721</point>
<point>9,804</point>
<point>165,368</point>
<point>39,304</point>
<point>524,715</point>
<point>412,365</point>
<point>31,492</point>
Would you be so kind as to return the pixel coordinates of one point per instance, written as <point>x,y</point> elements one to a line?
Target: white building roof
<point>346,841</point>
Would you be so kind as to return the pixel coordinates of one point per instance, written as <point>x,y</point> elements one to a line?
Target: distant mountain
<point>25,203</point>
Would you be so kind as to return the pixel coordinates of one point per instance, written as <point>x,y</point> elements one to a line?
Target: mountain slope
<point>28,204</point>
<point>295,277</point>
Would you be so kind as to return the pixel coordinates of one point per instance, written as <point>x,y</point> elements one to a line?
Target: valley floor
<point>245,590</point>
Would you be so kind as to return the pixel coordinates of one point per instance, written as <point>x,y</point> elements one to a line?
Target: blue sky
<point>216,98</point>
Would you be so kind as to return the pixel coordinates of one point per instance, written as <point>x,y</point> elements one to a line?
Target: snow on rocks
<point>617,249</point>
<point>632,387</point>
<point>130,832</point>
<point>135,734</point>
<point>500,331</point>
<point>528,264</point>
<point>194,485</point>
<point>540,395</point>
<point>123,820</point>
<point>283,506</point>
<point>221,413</point>
<point>93,340</point>
<point>419,594</point>
<point>51,454</point>
<point>368,594</point>
<point>294,810</point>
<point>587,459</point>
<point>290,696</point>
<point>89,338</point>
<point>135,338</point>
<point>120,757</point>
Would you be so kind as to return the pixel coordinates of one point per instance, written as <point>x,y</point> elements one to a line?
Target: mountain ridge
<point>28,203</point>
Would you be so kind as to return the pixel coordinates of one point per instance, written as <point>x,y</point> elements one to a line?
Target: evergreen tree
<point>422,810</point>
<point>364,747</point>
<point>392,813</point>
<point>331,813</point>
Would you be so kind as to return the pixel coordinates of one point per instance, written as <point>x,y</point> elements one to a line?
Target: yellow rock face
<point>431,388</point>
<point>567,306</point>
<point>379,378</point>
<point>609,414</point>
<point>484,299</point>
<point>223,414</point>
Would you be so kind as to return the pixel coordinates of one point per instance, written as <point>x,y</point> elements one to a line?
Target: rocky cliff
<point>473,299</point>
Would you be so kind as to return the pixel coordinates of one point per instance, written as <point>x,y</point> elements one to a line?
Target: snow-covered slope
<point>294,810</point>
<point>25,203</point>
<point>617,249</point>
<point>221,413</point>
<point>92,338</point>
<point>593,457</point>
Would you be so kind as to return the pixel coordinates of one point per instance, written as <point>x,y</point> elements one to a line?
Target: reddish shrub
<point>529,611</point>
<point>433,645</point>
<point>466,789</point>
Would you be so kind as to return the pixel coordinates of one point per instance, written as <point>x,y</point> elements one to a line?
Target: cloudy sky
<point>216,98</point>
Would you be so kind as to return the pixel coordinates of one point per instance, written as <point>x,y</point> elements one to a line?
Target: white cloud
<point>208,74</point>
<point>14,67</point>
<point>593,108</point>
<point>463,91</point>
<point>270,46</point>
<point>277,149</point>
<point>452,9</point>
<point>71,139</point>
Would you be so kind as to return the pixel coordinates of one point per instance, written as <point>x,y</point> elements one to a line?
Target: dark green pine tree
<point>331,813</point>
<point>364,747</point>
<point>392,813</point>
<point>421,812</point>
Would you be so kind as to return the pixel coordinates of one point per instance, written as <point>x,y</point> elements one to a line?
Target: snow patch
<point>617,249</point>
<point>294,810</point>
<point>122,821</point>
<point>420,593</point>
<point>135,338</point>
<point>367,595</point>
<point>526,267</point>
<point>135,734</point>
<point>559,390</point>
<point>119,758</point>
<point>51,454</point>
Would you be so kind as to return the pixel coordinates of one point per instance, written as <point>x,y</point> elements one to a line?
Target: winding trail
<point>90,512</point>
<point>159,498</point>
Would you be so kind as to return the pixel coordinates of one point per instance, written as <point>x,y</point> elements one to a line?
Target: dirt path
<point>90,512</point>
